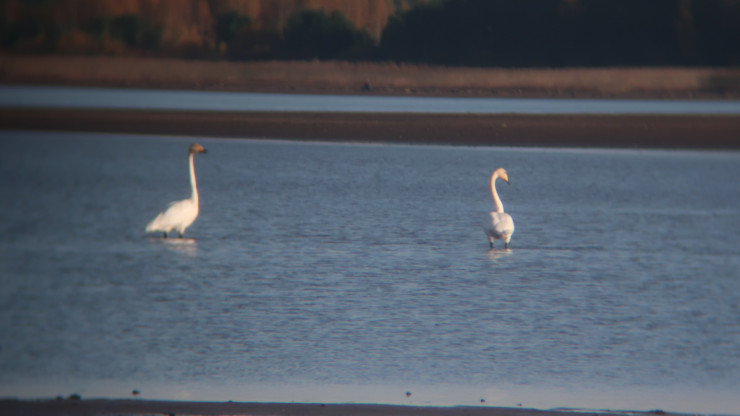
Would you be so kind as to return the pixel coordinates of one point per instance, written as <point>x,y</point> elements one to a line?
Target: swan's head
<point>501,173</point>
<point>196,148</point>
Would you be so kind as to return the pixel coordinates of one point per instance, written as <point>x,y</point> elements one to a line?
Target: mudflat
<point>639,131</point>
<point>141,407</point>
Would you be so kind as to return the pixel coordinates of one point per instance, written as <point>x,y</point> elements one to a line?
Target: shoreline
<point>11,407</point>
<point>371,78</point>
<point>714,132</point>
<point>385,78</point>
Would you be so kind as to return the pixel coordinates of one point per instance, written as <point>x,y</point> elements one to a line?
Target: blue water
<point>336,272</point>
<point>78,97</point>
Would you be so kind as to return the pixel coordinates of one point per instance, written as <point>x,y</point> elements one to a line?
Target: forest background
<point>478,33</point>
<point>625,49</point>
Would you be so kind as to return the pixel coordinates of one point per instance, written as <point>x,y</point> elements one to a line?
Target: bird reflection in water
<point>186,246</point>
<point>498,255</point>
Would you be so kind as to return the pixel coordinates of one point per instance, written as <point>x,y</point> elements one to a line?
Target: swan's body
<point>180,214</point>
<point>500,226</point>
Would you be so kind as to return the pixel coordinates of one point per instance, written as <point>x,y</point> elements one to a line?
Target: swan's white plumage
<point>178,217</point>
<point>500,226</point>
<point>180,214</point>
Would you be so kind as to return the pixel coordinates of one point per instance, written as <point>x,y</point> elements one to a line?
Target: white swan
<point>500,226</point>
<point>180,214</point>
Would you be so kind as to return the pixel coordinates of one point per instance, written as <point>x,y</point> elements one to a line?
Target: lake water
<point>118,98</point>
<point>355,273</point>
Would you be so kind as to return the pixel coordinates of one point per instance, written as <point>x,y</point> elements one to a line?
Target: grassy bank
<point>370,78</point>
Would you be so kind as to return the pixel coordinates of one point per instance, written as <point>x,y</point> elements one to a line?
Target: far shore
<point>148,407</point>
<point>370,78</point>
<point>631,131</point>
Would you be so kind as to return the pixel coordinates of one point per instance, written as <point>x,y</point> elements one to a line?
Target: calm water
<point>77,97</point>
<point>330,272</point>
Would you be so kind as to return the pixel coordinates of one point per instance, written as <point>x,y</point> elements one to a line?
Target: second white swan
<point>180,214</point>
<point>500,226</point>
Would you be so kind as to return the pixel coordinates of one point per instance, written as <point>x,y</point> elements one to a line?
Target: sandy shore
<point>634,131</point>
<point>141,407</point>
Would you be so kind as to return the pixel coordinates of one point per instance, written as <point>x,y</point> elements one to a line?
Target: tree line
<point>557,33</point>
<point>498,33</point>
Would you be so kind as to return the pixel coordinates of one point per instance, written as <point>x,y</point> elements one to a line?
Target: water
<point>112,98</point>
<point>337,272</point>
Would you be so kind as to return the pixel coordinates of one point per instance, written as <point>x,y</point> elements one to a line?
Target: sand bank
<point>634,131</point>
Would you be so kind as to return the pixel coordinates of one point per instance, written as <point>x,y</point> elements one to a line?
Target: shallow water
<point>118,98</point>
<point>337,272</point>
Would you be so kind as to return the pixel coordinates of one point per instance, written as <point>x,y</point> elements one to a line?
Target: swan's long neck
<point>496,199</point>
<point>193,182</point>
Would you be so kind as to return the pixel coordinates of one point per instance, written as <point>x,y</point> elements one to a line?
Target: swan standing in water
<point>180,214</point>
<point>500,226</point>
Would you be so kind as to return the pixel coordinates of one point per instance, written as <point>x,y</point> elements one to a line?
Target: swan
<point>180,214</point>
<point>500,226</point>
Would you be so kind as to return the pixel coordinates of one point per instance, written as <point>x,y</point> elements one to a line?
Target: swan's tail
<point>155,224</point>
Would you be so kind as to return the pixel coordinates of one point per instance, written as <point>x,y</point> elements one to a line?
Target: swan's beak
<point>196,148</point>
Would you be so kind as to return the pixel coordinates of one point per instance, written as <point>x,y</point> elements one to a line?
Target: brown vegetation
<point>479,33</point>
<point>190,24</point>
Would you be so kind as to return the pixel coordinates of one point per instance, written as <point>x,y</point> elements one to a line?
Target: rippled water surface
<point>331,272</point>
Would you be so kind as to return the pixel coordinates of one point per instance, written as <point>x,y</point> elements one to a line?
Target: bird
<point>180,214</point>
<point>500,226</point>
